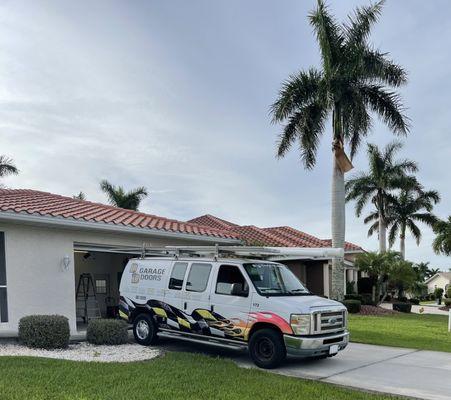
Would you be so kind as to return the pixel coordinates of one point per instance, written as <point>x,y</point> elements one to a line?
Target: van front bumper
<point>313,346</point>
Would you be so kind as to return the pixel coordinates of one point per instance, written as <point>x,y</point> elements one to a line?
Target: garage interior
<point>98,271</point>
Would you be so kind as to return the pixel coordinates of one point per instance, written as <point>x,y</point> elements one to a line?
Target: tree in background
<point>402,277</point>
<point>442,241</point>
<point>403,212</point>
<point>7,167</point>
<point>353,81</point>
<point>80,196</point>
<point>378,267</point>
<point>118,197</point>
<point>377,185</point>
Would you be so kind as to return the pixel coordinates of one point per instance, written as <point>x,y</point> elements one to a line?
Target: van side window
<point>198,277</point>
<point>229,275</point>
<point>177,275</point>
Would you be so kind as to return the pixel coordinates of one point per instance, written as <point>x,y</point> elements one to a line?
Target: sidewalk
<point>433,309</point>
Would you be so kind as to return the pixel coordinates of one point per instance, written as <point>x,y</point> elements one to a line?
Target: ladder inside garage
<point>86,298</point>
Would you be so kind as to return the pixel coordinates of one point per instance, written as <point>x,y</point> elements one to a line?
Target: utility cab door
<point>230,300</point>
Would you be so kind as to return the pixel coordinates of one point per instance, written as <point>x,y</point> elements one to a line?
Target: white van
<point>227,301</point>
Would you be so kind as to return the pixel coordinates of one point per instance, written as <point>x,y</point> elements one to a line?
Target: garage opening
<point>98,272</point>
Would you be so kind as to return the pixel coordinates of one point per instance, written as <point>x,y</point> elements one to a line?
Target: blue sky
<point>174,95</point>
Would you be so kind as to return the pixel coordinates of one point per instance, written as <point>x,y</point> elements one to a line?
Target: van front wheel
<point>144,330</point>
<point>267,349</point>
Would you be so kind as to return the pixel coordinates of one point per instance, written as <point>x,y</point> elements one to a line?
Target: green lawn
<point>427,332</point>
<point>173,376</point>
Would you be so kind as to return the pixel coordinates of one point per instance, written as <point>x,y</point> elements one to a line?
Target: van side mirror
<point>237,290</point>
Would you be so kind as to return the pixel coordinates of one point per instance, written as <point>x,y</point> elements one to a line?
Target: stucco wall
<point>439,281</point>
<point>36,281</point>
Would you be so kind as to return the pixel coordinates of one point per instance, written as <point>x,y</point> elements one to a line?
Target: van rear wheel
<point>144,330</point>
<point>267,349</point>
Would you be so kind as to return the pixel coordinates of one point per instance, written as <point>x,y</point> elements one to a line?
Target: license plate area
<point>333,349</point>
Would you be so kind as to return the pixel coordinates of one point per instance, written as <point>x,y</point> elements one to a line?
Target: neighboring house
<point>439,280</point>
<point>315,273</point>
<point>47,241</point>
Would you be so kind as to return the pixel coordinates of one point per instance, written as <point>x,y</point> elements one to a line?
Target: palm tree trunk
<point>338,230</point>
<point>382,234</point>
<point>402,242</point>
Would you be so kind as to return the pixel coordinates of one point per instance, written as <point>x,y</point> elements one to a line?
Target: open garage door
<point>98,272</point>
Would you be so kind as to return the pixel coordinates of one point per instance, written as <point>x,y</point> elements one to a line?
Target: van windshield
<point>275,280</point>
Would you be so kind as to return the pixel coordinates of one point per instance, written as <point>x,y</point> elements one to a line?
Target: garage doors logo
<point>134,272</point>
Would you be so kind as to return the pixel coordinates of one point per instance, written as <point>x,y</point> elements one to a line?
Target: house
<point>315,273</point>
<point>439,280</point>
<point>47,241</point>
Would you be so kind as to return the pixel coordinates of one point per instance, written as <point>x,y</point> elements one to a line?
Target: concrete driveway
<point>413,373</point>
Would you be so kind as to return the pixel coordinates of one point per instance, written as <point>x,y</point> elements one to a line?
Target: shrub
<point>402,307</point>
<point>367,300</point>
<point>388,298</point>
<point>448,292</point>
<point>414,301</point>
<point>44,331</point>
<point>353,306</point>
<point>353,296</point>
<point>438,293</point>
<point>107,331</point>
<point>448,302</point>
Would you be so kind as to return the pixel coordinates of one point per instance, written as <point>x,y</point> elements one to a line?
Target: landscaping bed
<point>373,310</point>
<point>84,352</point>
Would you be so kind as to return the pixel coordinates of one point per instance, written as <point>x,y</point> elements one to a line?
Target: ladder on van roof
<point>237,251</point>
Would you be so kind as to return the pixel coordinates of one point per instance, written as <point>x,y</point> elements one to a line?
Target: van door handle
<point>212,308</point>
<point>185,305</point>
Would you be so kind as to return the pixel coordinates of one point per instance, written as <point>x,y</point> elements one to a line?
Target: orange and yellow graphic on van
<point>269,318</point>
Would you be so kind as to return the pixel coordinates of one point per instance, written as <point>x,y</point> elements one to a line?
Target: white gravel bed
<point>85,352</point>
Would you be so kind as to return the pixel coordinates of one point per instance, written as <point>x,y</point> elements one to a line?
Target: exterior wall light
<point>66,262</point>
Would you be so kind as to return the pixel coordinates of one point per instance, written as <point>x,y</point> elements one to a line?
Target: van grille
<point>328,321</point>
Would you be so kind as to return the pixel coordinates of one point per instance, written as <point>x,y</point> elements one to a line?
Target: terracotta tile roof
<point>52,205</point>
<point>296,238</point>
<point>213,222</point>
<point>348,245</point>
<point>279,236</point>
<point>254,236</point>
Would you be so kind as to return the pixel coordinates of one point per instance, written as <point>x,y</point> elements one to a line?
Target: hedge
<point>414,301</point>
<point>353,306</point>
<point>353,297</point>
<point>448,302</point>
<point>402,307</point>
<point>44,331</point>
<point>107,331</point>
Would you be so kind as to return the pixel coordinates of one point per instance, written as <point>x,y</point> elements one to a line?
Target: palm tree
<point>442,241</point>
<point>118,197</point>
<point>403,212</point>
<point>385,175</point>
<point>352,82</point>
<point>80,196</point>
<point>432,272</point>
<point>7,167</point>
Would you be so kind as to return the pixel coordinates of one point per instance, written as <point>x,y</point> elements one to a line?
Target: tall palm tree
<point>402,214</point>
<point>353,80</point>
<point>118,197</point>
<point>7,167</point>
<point>385,175</point>
<point>442,241</point>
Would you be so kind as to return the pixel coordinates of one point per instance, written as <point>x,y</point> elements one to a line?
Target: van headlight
<point>300,323</point>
